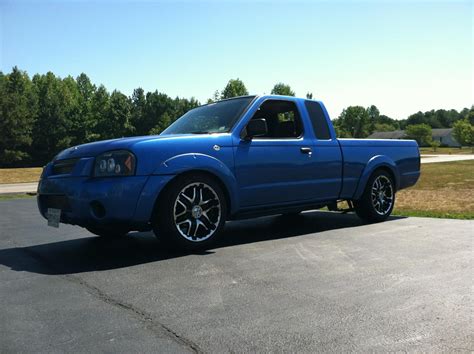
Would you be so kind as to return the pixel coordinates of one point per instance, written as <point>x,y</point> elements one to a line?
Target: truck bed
<point>359,154</point>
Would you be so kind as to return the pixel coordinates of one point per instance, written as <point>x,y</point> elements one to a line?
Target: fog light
<point>97,209</point>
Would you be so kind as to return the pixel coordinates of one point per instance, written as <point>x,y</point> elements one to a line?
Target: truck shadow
<point>97,254</point>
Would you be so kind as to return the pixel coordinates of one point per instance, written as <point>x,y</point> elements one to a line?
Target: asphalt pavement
<point>317,282</point>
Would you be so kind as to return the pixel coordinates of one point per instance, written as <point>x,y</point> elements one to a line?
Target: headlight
<point>115,163</point>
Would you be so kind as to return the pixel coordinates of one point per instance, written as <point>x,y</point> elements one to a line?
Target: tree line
<point>45,114</point>
<point>360,122</point>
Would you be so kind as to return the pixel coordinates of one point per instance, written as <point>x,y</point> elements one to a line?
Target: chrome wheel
<point>382,195</point>
<point>197,212</point>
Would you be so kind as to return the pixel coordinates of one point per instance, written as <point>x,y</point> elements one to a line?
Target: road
<point>318,282</point>
<point>12,188</point>
<point>445,158</point>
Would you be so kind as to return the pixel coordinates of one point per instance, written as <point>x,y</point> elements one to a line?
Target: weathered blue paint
<point>256,174</point>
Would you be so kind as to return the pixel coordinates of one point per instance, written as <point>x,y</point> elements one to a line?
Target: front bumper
<point>85,201</point>
<point>80,199</point>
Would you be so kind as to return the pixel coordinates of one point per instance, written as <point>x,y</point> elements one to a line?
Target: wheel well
<point>201,172</point>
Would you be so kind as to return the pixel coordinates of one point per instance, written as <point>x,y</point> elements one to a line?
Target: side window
<point>283,119</point>
<point>318,120</point>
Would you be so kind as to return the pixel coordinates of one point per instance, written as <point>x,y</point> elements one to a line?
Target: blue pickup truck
<point>237,158</point>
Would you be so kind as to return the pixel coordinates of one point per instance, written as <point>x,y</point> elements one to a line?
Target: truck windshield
<point>217,117</point>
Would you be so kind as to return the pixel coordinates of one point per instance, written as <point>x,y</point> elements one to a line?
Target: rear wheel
<point>191,213</point>
<point>378,199</point>
<point>107,232</point>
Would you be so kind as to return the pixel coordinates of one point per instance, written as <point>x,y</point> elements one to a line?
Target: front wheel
<point>191,213</point>
<point>378,199</point>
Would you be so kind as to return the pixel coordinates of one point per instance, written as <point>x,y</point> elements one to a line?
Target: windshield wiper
<point>203,132</point>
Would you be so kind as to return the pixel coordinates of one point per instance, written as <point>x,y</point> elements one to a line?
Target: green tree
<point>384,127</point>
<point>469,115</point>
<point>383,119</point>
<point>17,116</point>
<point>52,129</point>
<point>282,89</point>
<point>84,125</point>
<point>100,107</point>
<point>157,104</point>
<point>215,97</point>
<point>180,106</point>
<point>163,123</point>
<point>463,132</point>
<point>340,132</point>
<point>353,121</point>
<point>373,115</point>
<point>440,118</point>
<point>234,88</point>
<point>309,95</point>
<point>116,122</point>
<point>138,109</point>
<point>419,132</point>
<point>74,114</point>
<point>435,145</point>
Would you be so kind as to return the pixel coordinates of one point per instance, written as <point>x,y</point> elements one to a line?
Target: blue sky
<point>402,56</point>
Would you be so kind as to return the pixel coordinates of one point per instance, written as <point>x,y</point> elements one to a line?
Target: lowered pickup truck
<point>237,158</point>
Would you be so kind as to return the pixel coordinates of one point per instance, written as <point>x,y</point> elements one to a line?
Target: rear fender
<point>373,164</point>
<point>201,162</point>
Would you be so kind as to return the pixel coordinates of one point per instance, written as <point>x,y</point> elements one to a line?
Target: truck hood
<point>98,147</point>
<point>138,144</point>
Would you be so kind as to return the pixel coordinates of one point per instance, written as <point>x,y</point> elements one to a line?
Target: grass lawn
<point>444,190</point>
<point>20,175</point>
<point>16,196</point>
<point>446,150</point>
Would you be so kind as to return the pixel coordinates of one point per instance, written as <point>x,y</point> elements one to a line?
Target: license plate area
<point>54,217</point>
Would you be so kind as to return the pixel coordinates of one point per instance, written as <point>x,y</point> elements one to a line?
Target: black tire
<point>376,204</point>
<point>107,232</point>
<point>191,213</point>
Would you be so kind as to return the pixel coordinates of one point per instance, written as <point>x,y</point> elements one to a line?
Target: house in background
<point>396,134</point>
<point>443,136</point>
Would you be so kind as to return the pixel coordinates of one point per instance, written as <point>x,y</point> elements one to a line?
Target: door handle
<point>306,150</point>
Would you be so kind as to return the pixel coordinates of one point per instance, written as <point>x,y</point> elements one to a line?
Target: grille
<point>62,167</point>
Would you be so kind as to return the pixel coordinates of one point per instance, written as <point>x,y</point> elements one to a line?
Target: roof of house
<point>400,134</point>
<point>397,134</point>
<point>438,133</point>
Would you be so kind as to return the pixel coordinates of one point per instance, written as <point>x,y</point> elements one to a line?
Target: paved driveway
<point>12,188</point>
<point>445,158</point>
<point>321,282</point>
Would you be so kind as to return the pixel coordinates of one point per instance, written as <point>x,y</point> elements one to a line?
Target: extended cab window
<point>282,117</point>
<point>318,120</point>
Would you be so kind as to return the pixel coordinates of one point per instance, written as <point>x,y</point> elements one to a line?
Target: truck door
<point>280,166</point>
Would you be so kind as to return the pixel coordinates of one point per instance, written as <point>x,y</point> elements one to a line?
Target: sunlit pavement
<point>12,188</point>
<point>317,282</point>
<point>445,158</point>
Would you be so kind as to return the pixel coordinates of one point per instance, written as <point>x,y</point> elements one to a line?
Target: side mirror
<point>256,127</point>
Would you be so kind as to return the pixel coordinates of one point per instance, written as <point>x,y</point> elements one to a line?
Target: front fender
<point>201,162</point>
<point>374,163</point>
